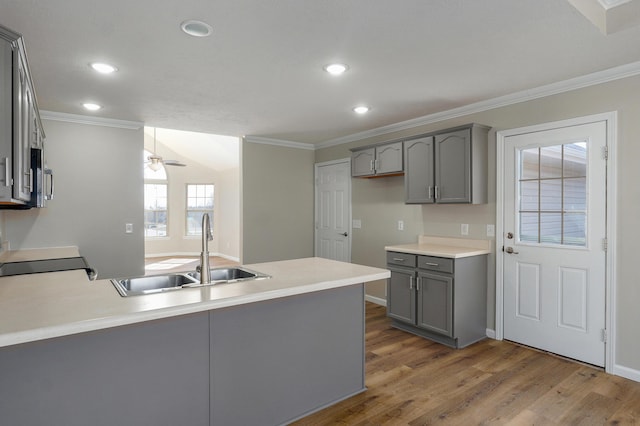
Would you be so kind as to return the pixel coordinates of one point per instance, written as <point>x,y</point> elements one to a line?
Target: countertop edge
<point>42,333</point>
<point>451,253</point>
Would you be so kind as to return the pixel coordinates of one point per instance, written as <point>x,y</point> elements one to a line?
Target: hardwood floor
<point>161,265</point>
<point>413,381</point>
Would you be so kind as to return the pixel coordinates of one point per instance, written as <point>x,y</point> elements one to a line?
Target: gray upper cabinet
<point>377,161</point>
<point>20,126</point>
<point>447,167</point>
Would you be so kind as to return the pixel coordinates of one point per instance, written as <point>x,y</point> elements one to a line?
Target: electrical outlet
<point>464,229</point>
<point>401,225</point>
<point>128,228</point>
<point>491,230</point>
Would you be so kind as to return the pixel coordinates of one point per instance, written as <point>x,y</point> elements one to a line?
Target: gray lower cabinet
<point>438,298</point>
<point>264,363</point>
<point>448,167</point>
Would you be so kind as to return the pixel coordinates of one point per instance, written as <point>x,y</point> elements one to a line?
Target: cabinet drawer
<point>401,259</point>
<point>432,263</point>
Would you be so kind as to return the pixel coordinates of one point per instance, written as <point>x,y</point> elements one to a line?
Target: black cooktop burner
<point>46,265</point>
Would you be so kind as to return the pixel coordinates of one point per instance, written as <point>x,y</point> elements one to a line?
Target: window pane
<point>551,228</point>
<point>575,194</point>
<point>529,195</point>
<point>529,227</point>
<point>155,214</point>
<point>551,161</point>
<point>199,201</point>
<point>551,194</point>
<point>575,225</point>
<point>575,159</point>
<point>529,163</point>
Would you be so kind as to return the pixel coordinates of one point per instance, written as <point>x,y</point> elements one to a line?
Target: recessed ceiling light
<point>362,109</point>
<point>196,28</point>
<point>336,69</point>
<point>91,106</point>
<point>103,68</point>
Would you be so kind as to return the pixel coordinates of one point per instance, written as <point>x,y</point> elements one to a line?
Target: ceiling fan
<point>156,161</point>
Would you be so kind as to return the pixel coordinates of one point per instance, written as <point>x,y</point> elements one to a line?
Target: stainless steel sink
<point>228,275</point>
<point>159,283</point>
<point>152,284</point>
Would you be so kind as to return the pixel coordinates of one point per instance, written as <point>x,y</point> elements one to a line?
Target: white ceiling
<point>260,73</point>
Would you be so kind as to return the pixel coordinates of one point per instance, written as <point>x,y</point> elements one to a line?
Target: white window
<point>199,201</point>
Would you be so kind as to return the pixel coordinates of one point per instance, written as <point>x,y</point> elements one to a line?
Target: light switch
<point>491,230</point>
<point>356,224</point>
<point>128,228</point>
<point>464,229</point>
<point>401,225</point>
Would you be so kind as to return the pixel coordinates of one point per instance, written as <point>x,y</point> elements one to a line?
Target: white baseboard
<point>491,334</point>
<point>626,372</point>
<point>376,300</point>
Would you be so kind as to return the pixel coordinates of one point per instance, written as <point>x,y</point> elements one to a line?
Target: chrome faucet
<point>205,272</point>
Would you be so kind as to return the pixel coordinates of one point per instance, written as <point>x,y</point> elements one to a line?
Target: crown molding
<point>92,121</point>
<point>279,142</point>
<point>617,73</point>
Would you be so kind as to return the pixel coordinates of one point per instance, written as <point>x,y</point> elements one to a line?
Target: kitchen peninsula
<point>75,352</point>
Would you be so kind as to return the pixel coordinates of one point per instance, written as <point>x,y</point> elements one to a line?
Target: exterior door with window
<point>554,230</point>
<point>333,210</point>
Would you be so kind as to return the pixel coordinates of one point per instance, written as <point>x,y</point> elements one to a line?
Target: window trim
<point>211,211</point>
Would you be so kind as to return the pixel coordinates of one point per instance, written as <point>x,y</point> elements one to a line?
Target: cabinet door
<point>435,303</point>
<point>418,173</point>
<point>401,295</point>
<point>6,114</point>
<point>389,158</point>
<point>362,162</point>
<point>22,150</point>
<point>453,167</point>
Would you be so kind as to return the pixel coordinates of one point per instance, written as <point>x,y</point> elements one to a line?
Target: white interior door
<point>333,210</point>
<point>554,261</point>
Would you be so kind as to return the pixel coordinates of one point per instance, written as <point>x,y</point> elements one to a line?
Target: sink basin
<point>152,284</point>
<point>159,283</point>
<point>226,275</point>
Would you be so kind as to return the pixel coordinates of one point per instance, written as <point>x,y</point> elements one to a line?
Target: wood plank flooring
<point>412,381</point>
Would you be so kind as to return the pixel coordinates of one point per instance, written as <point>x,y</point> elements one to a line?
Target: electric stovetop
<point>46,265</point>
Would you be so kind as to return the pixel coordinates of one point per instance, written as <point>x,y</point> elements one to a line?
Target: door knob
<point>510,250</point>
<point>510,235</point>
<point>344,234</point>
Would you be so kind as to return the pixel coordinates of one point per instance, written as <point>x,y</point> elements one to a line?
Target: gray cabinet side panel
<point>274,361</point>
<point>470,294</point>
<point>154,373</point>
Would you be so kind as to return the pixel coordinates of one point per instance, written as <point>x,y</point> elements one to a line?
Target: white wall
<point>379,202</point>
<point>98,183</point>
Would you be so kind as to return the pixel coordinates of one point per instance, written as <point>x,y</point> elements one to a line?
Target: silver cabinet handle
<point>418,280</point>
<point>430,192</point>
<point>371,165</point>
<point>7,171</point>
<point>397,259</point>
<point>431,264</point>
<point>51,189</point>
<point>29,184</point>
<point>437,195</point>
<point>411,282</point>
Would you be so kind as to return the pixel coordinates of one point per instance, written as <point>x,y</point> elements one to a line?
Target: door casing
<point>611,119</point>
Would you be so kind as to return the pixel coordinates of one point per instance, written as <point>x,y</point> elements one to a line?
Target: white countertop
<point>444,247</point>
<point>42,306</point>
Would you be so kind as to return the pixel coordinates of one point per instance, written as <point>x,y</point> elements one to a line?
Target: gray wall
<point>277,202</point>
<point>98,180</point>
<point>378,202</point>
